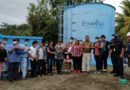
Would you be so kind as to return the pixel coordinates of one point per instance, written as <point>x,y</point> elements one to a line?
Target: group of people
<point>42,57</point>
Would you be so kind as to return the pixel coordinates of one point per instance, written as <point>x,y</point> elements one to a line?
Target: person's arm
<point>110,52</point>
<point>123,50</point>
<point>81,51</point>
<point>48,50</point>
<point>45,54</point>
<point>11,50</point>
<point>30,55</point>
<point>5,54</point>
<point>122,53</point>
<point>72,51</point>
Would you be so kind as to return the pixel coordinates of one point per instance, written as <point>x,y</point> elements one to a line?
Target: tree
<point>20,30</point>
<point>123,20</point>
<point>42,19</point>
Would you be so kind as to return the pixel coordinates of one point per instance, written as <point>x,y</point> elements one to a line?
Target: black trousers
<point>98,62</point>
<point>103,59</point>
<point>118,65</point>
<point>59,63</point>
<point>13,73</point>
<point>41,67</point>
<point>77,63</point>
<point>33,68</point>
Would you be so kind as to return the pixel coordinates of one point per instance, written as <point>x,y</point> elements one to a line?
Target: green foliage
<point>20,30</point>
<point>123,20</point>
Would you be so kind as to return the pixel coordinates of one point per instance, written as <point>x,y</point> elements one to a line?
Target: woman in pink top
<point>96,52</point>
<point>76,52</point>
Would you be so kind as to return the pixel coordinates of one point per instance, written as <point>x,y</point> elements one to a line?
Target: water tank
<point>88,19</point>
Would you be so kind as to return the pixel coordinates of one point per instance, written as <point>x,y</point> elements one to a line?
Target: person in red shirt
<point>76,52</point>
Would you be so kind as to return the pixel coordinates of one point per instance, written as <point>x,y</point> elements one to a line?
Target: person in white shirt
<point>42,56</point>
<point>33,58</point>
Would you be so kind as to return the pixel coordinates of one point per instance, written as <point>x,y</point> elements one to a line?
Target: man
<point>33,58</point>
<point>128,48</point>
<point>86,59</point>
<point>25,58</point>
<point>104,53</point>
<point>117,50</point>
<point>14,55</point>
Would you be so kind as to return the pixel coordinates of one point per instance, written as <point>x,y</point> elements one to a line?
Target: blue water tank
<point>88,19</point>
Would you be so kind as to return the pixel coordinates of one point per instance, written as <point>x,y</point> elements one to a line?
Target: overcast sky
<point>15,11</point>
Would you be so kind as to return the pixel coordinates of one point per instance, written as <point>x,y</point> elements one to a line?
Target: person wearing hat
<point>128,48</point>
<point>97,53</point>
<point>117,50</point>
<point>104,53</point>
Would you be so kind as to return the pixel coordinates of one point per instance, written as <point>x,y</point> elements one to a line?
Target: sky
<point>15,11</point>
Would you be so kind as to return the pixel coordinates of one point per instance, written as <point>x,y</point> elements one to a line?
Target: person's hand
<point>6,59</point>
<point>121,56</point>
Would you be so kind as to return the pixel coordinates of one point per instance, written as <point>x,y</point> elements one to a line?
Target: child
<point>67,64</point>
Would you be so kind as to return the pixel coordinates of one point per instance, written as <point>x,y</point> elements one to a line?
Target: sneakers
<point>104,70</point>
<point>97,72</point>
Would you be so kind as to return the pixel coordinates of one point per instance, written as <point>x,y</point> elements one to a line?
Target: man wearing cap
<point>128,48</point>
<point>117,50</point>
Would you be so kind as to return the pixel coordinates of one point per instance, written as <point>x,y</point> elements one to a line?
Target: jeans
<point>41,67</point>
<point>98,62</point>
<point>33,68</point>
<point>13,73</point>
<point>50,61</point>
<point>86,61</point>
<point>59,63</point>
<point>24,66</point>
<point>77,63</point>
<point>103,58</point>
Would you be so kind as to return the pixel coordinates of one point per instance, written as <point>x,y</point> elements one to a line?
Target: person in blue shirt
<point>14,55</point>
<point>25,58</point>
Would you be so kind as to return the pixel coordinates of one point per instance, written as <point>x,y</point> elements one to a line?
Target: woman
<point>3,57</point>
<point>59,56</point>
<point>86,55</point>
<point>50,57</point>
<point>96,52</point>
<point>42,56</point>
<point>76,52</point>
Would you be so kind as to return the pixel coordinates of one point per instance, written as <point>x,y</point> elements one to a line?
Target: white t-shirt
<point>40,52</point>
<point>33,52</point>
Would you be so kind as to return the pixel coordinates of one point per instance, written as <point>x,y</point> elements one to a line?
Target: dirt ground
<point>72,81</point>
